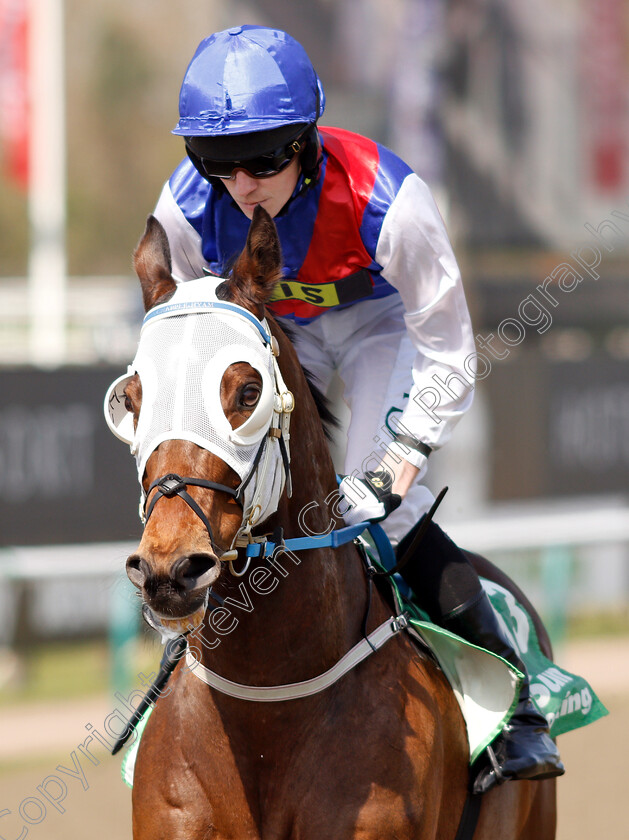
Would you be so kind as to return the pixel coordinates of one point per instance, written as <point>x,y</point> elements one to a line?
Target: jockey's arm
<point>185,243</point>
<point>417,259</point>
<point>404,473</point>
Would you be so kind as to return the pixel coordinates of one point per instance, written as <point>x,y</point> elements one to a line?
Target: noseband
<point>174,485</point>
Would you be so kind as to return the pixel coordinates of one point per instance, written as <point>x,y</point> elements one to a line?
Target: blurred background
<point>516,114</point>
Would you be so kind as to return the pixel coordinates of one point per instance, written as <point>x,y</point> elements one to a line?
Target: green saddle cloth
<point>565,699</point>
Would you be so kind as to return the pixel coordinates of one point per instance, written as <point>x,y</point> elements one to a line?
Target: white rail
<point>503,529</point>
<point>580,522</point>
<point>102,319</point>
<point>567,556</point>
<point>42,563</point>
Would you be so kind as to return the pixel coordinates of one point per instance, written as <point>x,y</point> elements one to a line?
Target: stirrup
<point>489,775</point>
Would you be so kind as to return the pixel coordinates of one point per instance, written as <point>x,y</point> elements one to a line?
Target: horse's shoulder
<point>420,677</point>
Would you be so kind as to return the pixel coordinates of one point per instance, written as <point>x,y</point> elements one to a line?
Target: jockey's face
<point>271,193</point>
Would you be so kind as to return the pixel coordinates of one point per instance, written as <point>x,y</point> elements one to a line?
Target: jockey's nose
<point>244,183</point>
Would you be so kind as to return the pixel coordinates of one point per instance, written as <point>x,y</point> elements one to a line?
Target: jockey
<point>373,288</point>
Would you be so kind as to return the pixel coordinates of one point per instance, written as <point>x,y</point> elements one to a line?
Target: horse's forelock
<point>256,270</point>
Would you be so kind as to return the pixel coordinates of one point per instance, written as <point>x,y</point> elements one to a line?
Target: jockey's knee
<point>439,573</point>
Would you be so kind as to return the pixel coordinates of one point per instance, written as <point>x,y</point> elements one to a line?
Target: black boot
<point>524,749</point>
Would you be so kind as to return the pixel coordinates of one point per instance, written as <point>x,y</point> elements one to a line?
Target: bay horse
<point>379,754</point>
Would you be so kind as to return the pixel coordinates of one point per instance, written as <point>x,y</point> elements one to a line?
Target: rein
<point>371,643</point>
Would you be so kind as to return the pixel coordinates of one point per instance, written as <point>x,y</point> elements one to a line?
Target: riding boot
<point>524,749</point>
<point>447,587</point>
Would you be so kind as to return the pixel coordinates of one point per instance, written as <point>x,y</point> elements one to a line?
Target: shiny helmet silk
<point>185,347</point>
<point>247,79</point>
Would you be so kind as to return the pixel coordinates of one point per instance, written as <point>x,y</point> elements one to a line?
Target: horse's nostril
<point>195,571</point>
<point>137,570</point>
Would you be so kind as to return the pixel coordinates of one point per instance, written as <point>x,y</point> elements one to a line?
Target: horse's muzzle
<point>177,591</point>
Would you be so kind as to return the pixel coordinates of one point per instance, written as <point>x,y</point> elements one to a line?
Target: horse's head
<point>206,413</point>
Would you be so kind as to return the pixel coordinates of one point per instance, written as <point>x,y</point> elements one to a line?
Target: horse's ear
<point>151,260</point>
<point>259,266</point>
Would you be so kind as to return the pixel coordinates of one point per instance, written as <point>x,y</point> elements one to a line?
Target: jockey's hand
<point>369,497</point>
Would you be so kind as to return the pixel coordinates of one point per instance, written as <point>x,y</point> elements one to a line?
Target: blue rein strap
<point>383,545</point>
<point>333,539</point>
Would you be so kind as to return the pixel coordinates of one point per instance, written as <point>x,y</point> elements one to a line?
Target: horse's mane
<point>329,420</point>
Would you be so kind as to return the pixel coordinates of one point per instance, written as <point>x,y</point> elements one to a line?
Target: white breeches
<point>368,346</point>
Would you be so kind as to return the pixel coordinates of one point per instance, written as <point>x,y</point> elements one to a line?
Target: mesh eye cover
<point>181,360</point>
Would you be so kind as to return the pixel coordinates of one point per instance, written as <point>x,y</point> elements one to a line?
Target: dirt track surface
<point>35,741</point>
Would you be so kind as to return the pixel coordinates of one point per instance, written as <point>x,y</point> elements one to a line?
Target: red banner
<point>604,50</point>
<point>14,105</point>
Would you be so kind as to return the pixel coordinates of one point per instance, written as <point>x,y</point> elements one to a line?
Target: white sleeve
<point>417,259</point>
<point>184,241</point>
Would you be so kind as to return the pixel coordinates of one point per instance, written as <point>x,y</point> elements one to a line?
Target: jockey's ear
<point>153,265</point>
<point>259,266</point>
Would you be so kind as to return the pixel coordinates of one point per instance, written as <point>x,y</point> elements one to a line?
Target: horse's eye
<point>128,404</point>
<point>249,395</point>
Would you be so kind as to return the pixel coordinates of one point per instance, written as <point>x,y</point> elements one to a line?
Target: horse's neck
<point>290,617</point>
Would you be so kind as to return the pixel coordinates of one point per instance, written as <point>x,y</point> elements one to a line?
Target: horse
<point>378,754</point>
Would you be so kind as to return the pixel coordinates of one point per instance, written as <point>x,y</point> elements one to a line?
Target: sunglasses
<point>262,166</point>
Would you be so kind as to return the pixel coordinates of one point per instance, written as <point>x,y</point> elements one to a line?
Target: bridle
<point>270,467</point>
<point>172,485</point>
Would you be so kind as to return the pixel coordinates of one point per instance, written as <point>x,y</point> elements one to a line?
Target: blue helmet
<point>248,79</point>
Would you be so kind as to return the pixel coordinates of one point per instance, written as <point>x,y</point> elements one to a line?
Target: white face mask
<point>186,345</point>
